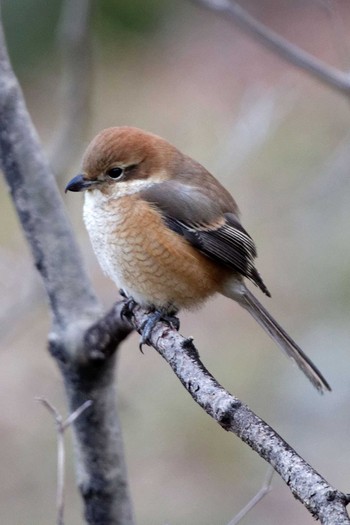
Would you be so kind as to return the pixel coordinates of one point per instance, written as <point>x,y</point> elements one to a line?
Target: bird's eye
<point>115,173</point>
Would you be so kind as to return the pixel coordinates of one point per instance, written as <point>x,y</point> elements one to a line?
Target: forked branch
<point>61,427</point>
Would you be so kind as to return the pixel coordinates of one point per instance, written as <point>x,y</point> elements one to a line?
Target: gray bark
<point>99,449</point>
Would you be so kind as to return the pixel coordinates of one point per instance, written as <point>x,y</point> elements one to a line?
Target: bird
<point>168,234</point>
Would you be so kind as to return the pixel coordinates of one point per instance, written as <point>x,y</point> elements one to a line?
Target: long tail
<point>246,299</point>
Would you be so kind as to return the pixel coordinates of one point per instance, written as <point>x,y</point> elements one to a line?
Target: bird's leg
<point>128,306</point>
<point>155,315</point>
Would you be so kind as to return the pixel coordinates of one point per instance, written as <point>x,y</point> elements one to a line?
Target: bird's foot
<point>149,324</point>
<point>154,315</point>
<point>128,306</point>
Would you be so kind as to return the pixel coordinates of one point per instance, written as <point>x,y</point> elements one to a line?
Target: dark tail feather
<point>281,338</point>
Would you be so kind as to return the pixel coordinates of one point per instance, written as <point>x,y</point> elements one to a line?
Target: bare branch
<point>100,460</point>
<point>321,499</point>
<point>39,205</point>
<point>265,489</point>
<point>77,413</point>
<point>61,427</point>
<point>102,337</point>
<point>74,39</point>
<point>329,75</point>
<point>54,412</point>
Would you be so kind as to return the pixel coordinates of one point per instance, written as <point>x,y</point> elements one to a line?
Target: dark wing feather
<point>216,233</point>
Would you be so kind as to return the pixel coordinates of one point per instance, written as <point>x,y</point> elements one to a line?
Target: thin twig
<point>265,489</point>
<point>101,468</point>
<point>61,427</point>
<point>77,413</point>
<point>329,75</point>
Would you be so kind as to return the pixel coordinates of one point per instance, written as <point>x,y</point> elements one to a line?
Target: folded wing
<point>207,224</point>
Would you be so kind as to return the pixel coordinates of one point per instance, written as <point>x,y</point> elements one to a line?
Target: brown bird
<point>168,233</point>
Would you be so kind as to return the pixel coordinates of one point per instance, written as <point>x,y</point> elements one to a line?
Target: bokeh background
<point>280,141</point>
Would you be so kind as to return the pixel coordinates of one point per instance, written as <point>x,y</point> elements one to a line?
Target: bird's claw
<point>149,324</point>
<point>128,306</point>
<point>147,328</point>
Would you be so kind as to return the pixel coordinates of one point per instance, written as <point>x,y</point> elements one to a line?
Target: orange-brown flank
<point>149,261</point>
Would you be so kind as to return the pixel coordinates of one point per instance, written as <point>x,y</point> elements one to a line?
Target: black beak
<point>78,183</point>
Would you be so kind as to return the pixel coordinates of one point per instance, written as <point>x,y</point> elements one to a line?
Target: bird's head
<point>123,159</point>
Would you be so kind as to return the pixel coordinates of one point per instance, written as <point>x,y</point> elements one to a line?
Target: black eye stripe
<point>130,168</point>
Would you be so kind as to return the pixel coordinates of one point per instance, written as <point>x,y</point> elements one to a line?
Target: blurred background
<point>279,140</point>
